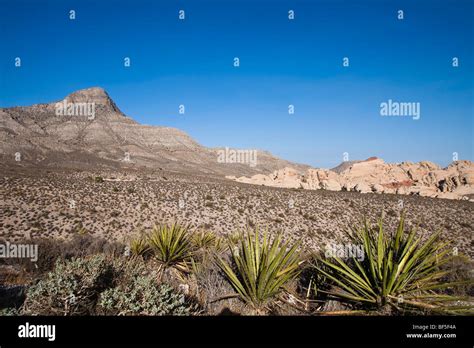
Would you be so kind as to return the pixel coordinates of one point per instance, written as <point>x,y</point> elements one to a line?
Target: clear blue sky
<point>283,62</point>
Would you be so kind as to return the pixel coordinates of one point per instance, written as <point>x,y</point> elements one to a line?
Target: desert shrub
<point>144,297</point>
<point>399,272</point>
<point>211,284</point>
<point>102,285</point>
<point>139,246</point>
<point>312,286</point>
<point>458,269</point>
<point>139,294</point>
<point>72,288</point>
<point>207,241</point>
<point>171,245</point>
<point>86,244</point>
<point>204,239</point>
<point>206,246</point>
<point>234,238</point>
<point>10,311</point>
<point>99,179</point>
<point>50,250</point>
<point>261,270</point>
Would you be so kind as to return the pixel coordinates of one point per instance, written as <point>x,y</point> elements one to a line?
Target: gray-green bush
<point>143,296</point>
<point>72,288</point>
<point>138,293</point>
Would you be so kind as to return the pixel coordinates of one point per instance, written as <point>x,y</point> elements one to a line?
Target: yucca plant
<point>204,239</point>
<point>399,272</point>
<point>261,269</point>
<point>208,241</point>
<point>234,238</point>
<point>139,246</point>
<point>206,245</point>
<point>171,245</point>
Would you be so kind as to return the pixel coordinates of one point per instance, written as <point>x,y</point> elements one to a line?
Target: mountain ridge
<point>106,137</point>
<point>87,130</point>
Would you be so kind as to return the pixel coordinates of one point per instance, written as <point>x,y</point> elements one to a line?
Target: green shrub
<point>206,246</point>
<point>399,272</point>
<point>139,246</point>
<point>207,241</point>
<point>171,245</point>
<point>261,270</point>
<point>8,312</point>
<point>100,285</point>
<point>72,288</point>
<point>99,179</point>
<point>139,294</point>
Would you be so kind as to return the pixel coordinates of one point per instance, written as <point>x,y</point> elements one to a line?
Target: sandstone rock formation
<point>374,175</point>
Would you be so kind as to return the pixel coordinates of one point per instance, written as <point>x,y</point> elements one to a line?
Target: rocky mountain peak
<point>96,95</point>
<point>73,134</point>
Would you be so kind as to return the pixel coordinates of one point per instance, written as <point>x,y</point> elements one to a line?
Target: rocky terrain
<point>101,136</point>
<point>73,176</point>
<point>106,138</point>
<point>375,176</point>
<point>91,184</point>
<point>118,206</point>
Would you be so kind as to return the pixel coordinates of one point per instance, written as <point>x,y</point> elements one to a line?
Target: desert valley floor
<point>119,205</point>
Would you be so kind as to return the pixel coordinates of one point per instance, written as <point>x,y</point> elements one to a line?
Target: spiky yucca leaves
<point>208,241</point>
<point>139,246</point>
<point>234,238</point>
<point>206,245</point>
<point>171,245</point>
<point>399,271</point>
<point>261,269</point>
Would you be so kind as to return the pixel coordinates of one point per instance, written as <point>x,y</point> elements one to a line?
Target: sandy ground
<point>60,204</point>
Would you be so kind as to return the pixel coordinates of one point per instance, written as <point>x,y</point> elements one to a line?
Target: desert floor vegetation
<point>173,269</point>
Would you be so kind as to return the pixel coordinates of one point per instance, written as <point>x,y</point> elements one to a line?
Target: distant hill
<point>87,130</point>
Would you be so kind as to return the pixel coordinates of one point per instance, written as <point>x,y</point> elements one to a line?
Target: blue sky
<point>283,62</point>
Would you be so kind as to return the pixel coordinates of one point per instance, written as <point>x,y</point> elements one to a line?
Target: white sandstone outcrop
<point>374,175</point>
